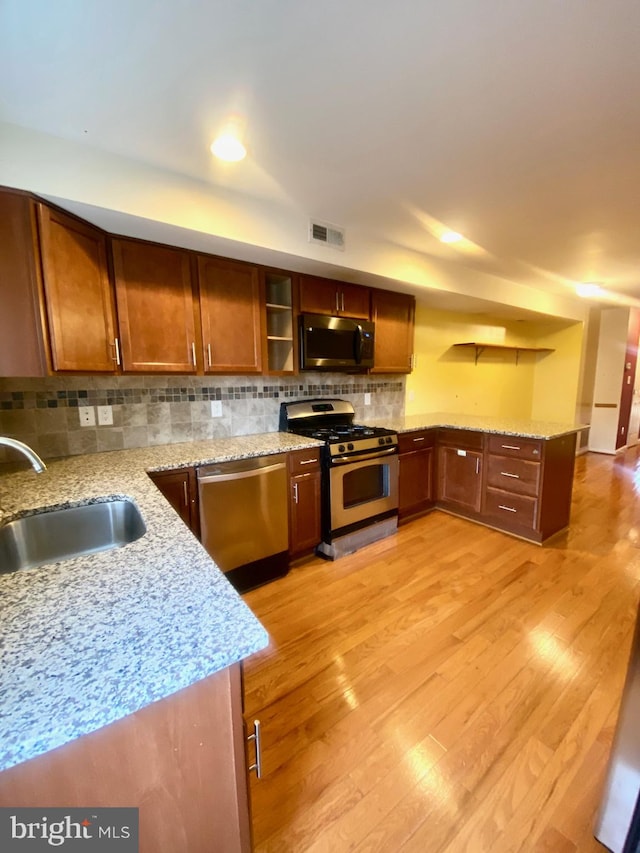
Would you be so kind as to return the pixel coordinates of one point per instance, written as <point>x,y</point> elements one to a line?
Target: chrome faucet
<point>32,456</point>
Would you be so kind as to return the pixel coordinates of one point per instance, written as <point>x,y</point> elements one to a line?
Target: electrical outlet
<point>87,415</point>
<point>105,415</point>
<point>216,408</point>
<point>367,399</point>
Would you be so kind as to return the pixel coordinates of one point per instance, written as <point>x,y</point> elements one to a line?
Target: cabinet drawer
<point>301,461</point>
<point>464,438</point>
<point>511,445</point>
<point>419,440</point>
<point>510,509</point>
<point>514,475</point>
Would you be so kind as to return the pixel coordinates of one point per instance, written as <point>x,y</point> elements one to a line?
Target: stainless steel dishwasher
<point>244,518</point>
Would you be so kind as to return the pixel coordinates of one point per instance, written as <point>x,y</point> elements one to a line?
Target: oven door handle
<point>343,460</point>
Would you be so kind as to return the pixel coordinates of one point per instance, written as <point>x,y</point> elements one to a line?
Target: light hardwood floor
<point>450,688</point>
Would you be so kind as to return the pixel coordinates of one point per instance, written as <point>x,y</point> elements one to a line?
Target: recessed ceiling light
<point>451,237</point>
<point>228,148</point>
<point>589,289</point>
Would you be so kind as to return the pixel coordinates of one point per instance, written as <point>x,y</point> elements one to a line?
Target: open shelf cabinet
<point>279,322</point>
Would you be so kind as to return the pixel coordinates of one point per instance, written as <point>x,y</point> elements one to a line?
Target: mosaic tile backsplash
<point>150,410</point>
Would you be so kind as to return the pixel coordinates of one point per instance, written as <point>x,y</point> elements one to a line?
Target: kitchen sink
<point>61,534</point>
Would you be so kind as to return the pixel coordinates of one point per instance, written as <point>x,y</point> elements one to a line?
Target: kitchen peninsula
<point>121,669</point>
<point>512,474</point>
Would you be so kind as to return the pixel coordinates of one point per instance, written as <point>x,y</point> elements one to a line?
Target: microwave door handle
<point>359,338</point>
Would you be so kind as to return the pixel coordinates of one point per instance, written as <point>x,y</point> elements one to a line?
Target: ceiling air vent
<point>326,234</point>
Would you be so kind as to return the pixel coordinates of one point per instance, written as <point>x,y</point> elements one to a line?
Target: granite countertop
<point>510,426</point>
<point>87,641</point>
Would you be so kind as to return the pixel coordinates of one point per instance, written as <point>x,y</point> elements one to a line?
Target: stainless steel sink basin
<point>47,537</point>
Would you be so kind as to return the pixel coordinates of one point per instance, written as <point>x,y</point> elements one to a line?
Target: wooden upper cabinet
<point>156,309</point>
<point>23,345</point>
<point>231,311</point>
<point>325,296</point>
<point>393,315</point>
<point>78,294</point>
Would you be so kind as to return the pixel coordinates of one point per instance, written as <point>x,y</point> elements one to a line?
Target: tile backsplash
<point>149,410</point>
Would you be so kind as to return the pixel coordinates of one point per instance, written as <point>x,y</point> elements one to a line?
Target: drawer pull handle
<point>508,508</point>
<point>307,461</point>
<point>507,474</point>
<point>257,765</point>
<point>419,439</point>
<point>510,446</point>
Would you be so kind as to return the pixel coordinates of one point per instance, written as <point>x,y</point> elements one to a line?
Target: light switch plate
<point>87,415</point>
<point>216,408</point>
<point>367,399</point>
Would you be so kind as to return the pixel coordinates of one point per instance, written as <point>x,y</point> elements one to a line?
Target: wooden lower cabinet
<point>460,470</point>
<point>305,530</point>
<point>519,485</point>
<point>415,487</point>
<point>529,484</point>
<point>180,488</point>
<point>180,760</point>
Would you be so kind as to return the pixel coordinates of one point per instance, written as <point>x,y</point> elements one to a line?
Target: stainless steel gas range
<point>359,473</point>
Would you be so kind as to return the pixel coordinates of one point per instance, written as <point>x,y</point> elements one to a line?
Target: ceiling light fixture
<point>228,147</point>
<point>451,237</point>
<point>589,289</point>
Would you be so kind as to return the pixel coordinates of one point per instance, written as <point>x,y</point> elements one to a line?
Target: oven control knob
<point>341,448</point>
<point>349,446</point>
<point>389,440</point>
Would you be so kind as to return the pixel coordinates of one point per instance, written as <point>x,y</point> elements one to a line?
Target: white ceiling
<point>515,122</point>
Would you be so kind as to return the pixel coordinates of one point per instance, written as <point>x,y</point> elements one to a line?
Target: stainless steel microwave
<point>335,343</point>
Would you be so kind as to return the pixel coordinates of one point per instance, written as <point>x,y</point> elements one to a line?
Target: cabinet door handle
<point>116,346</point>
<point>295,493</point>
<point>337,302</point>
<point>257,764</point>
<point>209,354</point>
<point>184,492</point>
<point>193,353</point>
<point>507,474</point>
<point>510,446</point>
<point>477,465</point>
<point>343,300</point>
<point>507,508</point>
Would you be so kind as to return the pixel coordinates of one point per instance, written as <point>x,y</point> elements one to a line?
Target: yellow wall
<point>557,377</point>
<point>446,378</point>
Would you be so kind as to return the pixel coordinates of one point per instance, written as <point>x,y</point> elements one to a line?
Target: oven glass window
<point>363,485</point>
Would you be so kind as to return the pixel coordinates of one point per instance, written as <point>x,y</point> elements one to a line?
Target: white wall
<point>605,413</point>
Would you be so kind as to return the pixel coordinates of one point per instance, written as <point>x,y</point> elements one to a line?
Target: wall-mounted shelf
<point>480,348</point>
